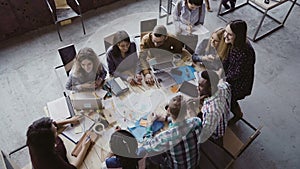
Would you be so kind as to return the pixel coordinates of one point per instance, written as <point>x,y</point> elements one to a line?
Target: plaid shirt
<point>181,142</point>
<point>215,112</point>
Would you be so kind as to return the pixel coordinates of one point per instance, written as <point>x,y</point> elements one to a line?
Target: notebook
<point>76,132</point>
<point>60,109</point>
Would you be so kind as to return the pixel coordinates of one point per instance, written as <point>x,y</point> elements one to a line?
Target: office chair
<point>62,14</point>
<point>8,162</point>
<point>236,140</point>
<point>67,55</point>
<point>147,26</point>
<point>108,41</point>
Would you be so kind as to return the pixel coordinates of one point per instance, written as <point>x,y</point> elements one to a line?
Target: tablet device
<point>189,89</point>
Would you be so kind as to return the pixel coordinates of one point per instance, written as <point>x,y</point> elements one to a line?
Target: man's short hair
<point>159,30</point>
<point>196,2</point>
<point>177,106</point>
<point>211,77</point>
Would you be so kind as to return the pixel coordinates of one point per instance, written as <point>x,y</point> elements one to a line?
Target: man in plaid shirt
<point>215,96</point>
<point>179,146</point>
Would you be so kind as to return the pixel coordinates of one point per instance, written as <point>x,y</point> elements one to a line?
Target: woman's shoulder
<point>109,50</point>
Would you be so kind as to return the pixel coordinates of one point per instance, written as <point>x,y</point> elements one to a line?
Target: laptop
<point>85,100</point>
<point>162,60</point>
<point>163,66</point>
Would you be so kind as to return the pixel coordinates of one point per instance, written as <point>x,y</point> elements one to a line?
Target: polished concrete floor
<point>28,81</point>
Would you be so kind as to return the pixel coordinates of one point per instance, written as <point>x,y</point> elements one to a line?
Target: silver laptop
<point>162,60</point>
<point>85,100</point>
<point>162,66</point>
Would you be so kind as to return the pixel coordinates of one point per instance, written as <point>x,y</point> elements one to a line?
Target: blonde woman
<point>211,48</point>
<point>87,73</point>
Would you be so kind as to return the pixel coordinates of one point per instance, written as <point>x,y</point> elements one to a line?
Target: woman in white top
<point>188,14</point>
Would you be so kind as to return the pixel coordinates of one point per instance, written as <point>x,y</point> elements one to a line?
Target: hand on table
<point>75,120</point>
<point>190,29</point>
<point>86,144</point>
<point>149,79</point>
<point>208,58</point>
<point>98,83</point>
<point>137,80</point>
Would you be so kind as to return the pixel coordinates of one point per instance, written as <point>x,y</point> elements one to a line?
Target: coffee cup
<point>98,128</point>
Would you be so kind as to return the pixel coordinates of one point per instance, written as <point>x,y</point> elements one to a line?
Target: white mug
<point>98,128</point>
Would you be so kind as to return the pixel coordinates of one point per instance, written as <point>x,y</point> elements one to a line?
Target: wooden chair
<point>63,12</point>
<point>236,140</point>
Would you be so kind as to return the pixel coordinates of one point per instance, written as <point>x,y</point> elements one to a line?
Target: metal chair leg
<point>82,25</point>
<point>57,28</point>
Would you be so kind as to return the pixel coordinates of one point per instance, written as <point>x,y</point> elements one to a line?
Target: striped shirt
<point>181,142</point>
<point>215,112</point>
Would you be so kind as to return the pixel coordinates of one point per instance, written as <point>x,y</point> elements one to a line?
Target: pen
<point>87,138</point>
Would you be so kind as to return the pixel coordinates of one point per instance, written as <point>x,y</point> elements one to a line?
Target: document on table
<point>58,109</point>
<point>76,132</point>
<point>199,30</point>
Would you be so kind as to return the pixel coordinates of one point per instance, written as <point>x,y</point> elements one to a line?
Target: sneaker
<point>226,6</point>
<point>232,4</point>
<point>209,10</point>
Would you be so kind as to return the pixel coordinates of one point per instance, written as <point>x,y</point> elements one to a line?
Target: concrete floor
<point>28,81</point>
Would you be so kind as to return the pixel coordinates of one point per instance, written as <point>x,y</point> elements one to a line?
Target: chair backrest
<point>7,163</point>
<point>190,41</point>
<point>235,141</point>
<point>108,41</point>
<point>147,26</point>
<point>67,55</point>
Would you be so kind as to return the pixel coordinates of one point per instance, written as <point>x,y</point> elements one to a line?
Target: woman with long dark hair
<point>239,65</point>
<point>122,57</point>
<point>47,150</point>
